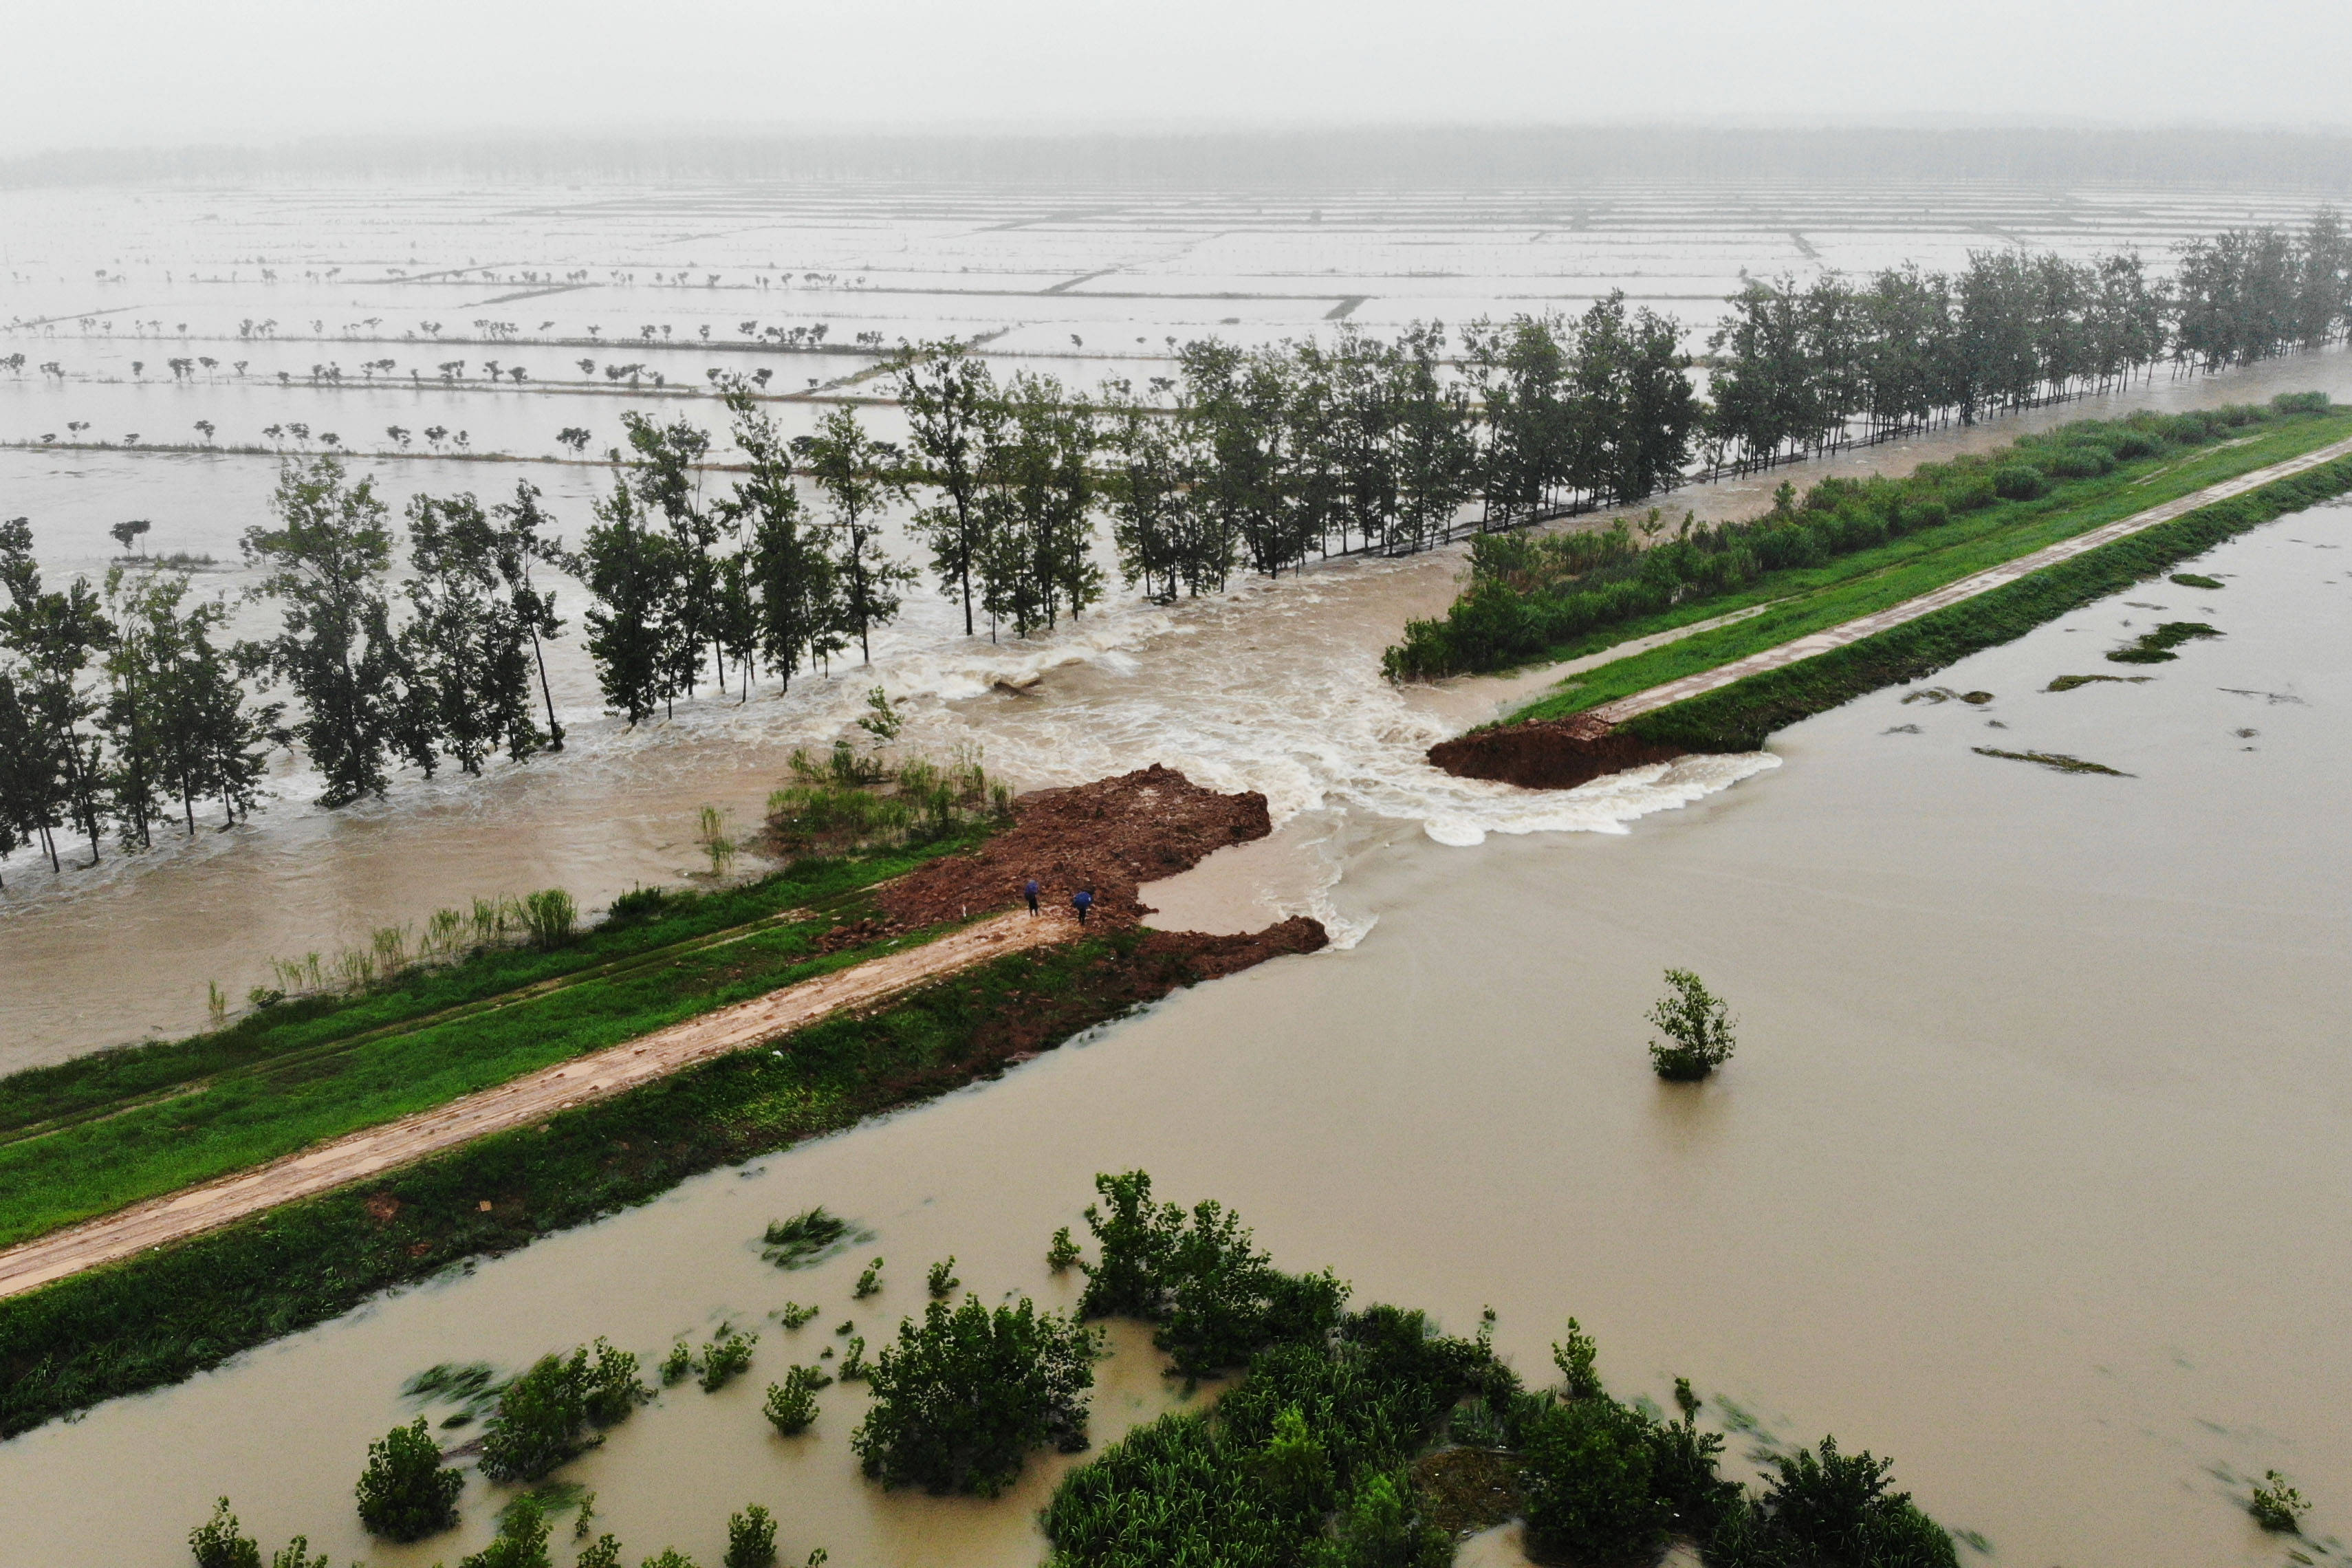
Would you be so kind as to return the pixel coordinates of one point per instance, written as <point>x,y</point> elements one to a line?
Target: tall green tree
<point>859,478</point>
<point>53,636</point>
<point>1045,468</point>
<point>466,645</point>
<point>523,536</point>
<point>791,590</point>
<point>1145,491</point>
<point>951,408</point>
<point>665,470</point>
<point>325,563</point>
<point>633,629</point>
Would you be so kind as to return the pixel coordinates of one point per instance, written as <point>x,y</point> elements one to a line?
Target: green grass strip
<point>190,1112</point>
<point>1806,600</point>
<point>1739,717</point>
<point>165,1316</point>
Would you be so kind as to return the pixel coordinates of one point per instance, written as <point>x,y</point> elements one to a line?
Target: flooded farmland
<point>2029,1171</point>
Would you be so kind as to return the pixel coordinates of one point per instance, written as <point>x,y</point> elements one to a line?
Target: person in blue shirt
<point>1029,892</point>
<point>1082,901</point>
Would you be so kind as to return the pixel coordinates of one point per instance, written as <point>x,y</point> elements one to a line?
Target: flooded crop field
<point>2028,1173</point>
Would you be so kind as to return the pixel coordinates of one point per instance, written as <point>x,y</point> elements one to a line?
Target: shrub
<point>870,1283</point>
<point>218,1543</point>
<point>1062,1251</point>
<point>2196,580</point>
<point>750,1539</point>
<point>962,1397</point>
<point>406,1493</point>
<point>941,1280</point>
<point>791,1404</point>
<point>1696,1023</point>
<point>1590,1494</point>
<point>1379,1529</point>
<point>296,1554</point>
<point>2019,481</point>
<point>605,1551</point>
<point>521,1540</point>
<point>2128,444</point>
<point>1293,1466</point>
<point>1576,1357</point>
<point>550,915</point>
<point>1973,493</point>
<point>726,1357</point>
<point>544,1416</point>
<point>678,1365</point>
<point>2292,402</point>
<point>1217,1297</point>
<point>635,907</point>
<point>1831,1508</point>
<point>1683,1468</point>
<point>2275,1506</point>
<point>2081,460</point>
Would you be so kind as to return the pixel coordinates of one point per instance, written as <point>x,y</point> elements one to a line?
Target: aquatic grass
<point>2070,682</point>
<point>162,1316</point>
<point>2196,580</point>
<point>2156,646</point>
<point>808,1238</point>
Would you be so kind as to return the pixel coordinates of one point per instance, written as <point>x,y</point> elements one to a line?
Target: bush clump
<point>1698,1026</point>
<point>2276,1506</point>
<point>551,1413</point>
<point>1830,1508</point>
<point>406,1493</point>
<point>1216,1297</point>
<point>790,1408</point>
<point>521,1540</point>
<point>964,1396</point>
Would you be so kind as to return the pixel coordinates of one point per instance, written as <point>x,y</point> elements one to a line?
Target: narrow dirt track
<point>1613,713</point>
<point>178,1215</point>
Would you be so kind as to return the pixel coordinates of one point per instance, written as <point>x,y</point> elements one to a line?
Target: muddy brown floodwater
<point>2030,1170</point>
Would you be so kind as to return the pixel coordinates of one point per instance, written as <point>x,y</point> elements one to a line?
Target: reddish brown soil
<point>1554,754</point>
<point>1106,837</point>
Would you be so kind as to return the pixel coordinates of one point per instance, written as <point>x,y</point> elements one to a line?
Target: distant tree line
<point>128,705</point>
<point>1796,367</point>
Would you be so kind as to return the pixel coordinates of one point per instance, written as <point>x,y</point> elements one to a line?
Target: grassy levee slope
<point>1804,600</point>
<point>164,1315</point>
<point>93,1136</point>
<point>1740,716</point>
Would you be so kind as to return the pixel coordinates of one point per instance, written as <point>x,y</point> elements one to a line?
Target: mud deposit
<point>1107,837</point>
<point>1552,753</point>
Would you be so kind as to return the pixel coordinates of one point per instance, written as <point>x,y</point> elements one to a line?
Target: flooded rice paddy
<point>2029,1173</point>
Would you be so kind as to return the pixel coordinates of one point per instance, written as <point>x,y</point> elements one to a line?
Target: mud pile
<point>1107,837</point>
<point>1551,754</point>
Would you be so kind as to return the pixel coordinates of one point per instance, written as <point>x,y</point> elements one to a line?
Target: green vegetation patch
<point>165,1315</point>
<point>2057,759</point>
<point>1739,717</point>
<point>1869,536</point>
<point>2069,682</point>
<point>2156,646</point>
<point>2196,580</point>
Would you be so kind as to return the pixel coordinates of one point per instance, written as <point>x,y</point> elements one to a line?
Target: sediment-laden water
<point>2027,1172</point>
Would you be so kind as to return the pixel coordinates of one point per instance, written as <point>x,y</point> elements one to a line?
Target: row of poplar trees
<point>1796,366</point>
<point>131,705</point>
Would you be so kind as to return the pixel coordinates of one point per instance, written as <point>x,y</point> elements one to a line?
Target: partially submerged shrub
<point>1381,1529</point>
<point>1216,1297</point>
<point>870,1283</point>
<point>1589,1492</point>
<point>1831,1508</point>
<point>2275,1505</point>
<point>943,1278</point>
<point>726,1357</point>
<point>807,1238</point>
<point>1697,1027</point>
<point>550,916</point>
<point>793,1315</point>
<point>218,1543</point>
<point>750,1539</point>
<point>547,1416</point>
<point>962,1397</point>
<point>791,1404</point>
<point>521,1540</point>
<point>406,1493</point>
<point>1062,1251</point>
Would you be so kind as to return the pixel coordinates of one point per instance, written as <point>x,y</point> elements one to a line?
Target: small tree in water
<point>1697,1029</point>
<point>406,1493</point>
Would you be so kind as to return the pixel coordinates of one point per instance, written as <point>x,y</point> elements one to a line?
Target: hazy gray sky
<point>115,72</point>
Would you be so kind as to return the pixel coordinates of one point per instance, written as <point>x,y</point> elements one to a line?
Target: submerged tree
<point>52,636</point>
<point>950,403</point>
<point>857,476</point>
<point>325,563</point>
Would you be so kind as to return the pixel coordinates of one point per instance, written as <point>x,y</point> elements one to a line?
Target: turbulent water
<point>2025,1174</point>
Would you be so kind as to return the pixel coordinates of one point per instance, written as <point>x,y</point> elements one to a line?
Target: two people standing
<point>1083,900</point>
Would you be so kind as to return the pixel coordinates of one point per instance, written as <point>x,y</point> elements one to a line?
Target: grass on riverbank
<point>1800,601</point>
<point>90,1136</point>
<point>167,1315</point>
<point>1739,717</point>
